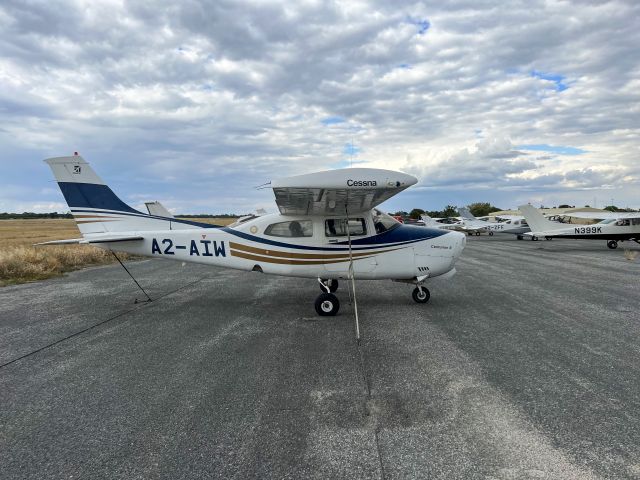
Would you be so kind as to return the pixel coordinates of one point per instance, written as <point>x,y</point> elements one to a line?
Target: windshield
<point>242,220</point>
<point>608,220</point>
<point>383,222</point>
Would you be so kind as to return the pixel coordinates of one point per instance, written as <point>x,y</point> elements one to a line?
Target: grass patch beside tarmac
<point>21,262</point>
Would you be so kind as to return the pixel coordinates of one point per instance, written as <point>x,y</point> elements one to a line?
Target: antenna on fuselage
<point>351,157</point>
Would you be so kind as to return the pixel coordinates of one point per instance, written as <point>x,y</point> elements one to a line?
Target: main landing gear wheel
<point>612,244</point>
<point>520,237</point>
<point>548,238</point>
<point>478,233</point>
<point>332,283</point>
<point>534,238</point>
<point>421,295</point>
<point>491,234</point>
<point>327,304</point>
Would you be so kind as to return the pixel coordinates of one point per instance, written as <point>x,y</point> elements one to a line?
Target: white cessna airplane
<point>613,230</point>
<point>513,225</point>
<point>327,229</point>
<point>434,223</point>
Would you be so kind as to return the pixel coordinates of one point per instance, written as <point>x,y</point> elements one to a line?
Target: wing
<point>600,215</point>
<point>351,190</point>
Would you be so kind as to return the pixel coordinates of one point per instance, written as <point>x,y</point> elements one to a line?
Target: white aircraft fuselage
<point>403,252</point>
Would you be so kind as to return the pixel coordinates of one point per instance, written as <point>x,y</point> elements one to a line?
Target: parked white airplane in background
<point>434,223</point>
<point>327,229</point>
<point>471,224</point>
<point>516,226</point>
<point>513,224</point>
<point>612,230</point>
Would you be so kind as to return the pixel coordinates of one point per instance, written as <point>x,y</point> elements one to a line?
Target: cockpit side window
<point>292,229</point>
<point>337,227</point>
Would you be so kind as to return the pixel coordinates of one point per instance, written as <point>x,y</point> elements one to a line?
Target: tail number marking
<point>582,230</point>
<point>197,248</point>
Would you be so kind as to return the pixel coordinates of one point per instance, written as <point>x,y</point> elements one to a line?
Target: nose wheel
<point>421,294</point>
<point>327,305</point>
<point>612,244</point>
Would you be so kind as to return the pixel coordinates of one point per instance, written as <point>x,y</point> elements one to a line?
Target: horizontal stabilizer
<point>69,241</point>
<point>93,239</point>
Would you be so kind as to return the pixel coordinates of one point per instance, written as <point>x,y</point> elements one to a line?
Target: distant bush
<point>31,215</point>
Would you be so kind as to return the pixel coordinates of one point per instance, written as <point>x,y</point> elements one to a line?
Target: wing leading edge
<point>351,190</point>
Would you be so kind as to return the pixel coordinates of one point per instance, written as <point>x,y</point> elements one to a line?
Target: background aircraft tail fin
<point>536,220</point>
<point>465,213</point>
<point>93,204</point>
<point>427,220</point>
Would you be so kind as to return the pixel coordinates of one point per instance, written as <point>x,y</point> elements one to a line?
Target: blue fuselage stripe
<point>403,235</point>
<point>144,215</point>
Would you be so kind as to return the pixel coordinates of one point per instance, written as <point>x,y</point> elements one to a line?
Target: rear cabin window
<point>337,227</point>
<point>292,229</point>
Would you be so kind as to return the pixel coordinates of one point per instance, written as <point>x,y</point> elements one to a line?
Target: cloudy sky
<point>196,103</point>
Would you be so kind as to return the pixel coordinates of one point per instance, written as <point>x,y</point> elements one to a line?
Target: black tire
<point>327,305</point>
<point>520,237</point>
<point>333,286</point>
<point>534,238</point>
<point>612,244</point>
<point>491,234</point>
<point>548,238</point>
<point>478,233</point>
<point>421,297</point>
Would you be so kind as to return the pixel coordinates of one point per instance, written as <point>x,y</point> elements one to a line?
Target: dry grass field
<point>21,262</point>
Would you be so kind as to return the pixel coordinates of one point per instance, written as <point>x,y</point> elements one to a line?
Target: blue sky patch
<point>422,24</point>
<point>405,66</point>
<point>332,120</point>
<point>542,147</point>
<point>351,149</point>
<point>559,80</point>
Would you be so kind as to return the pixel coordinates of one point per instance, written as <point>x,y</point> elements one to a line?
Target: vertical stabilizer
<point>466,213</point>
<point>93,204</point>
<point>428,221</point>
<point>156,208</point>
<point>536,220</point>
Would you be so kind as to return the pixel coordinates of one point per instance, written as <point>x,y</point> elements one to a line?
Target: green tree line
<point>478,209</point>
